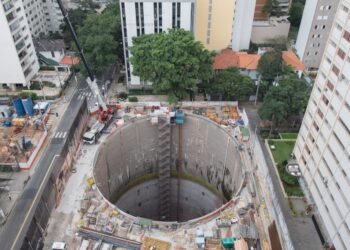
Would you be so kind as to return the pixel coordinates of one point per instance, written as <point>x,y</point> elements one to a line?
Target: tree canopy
<point>77,17</point>
<point>286,100</point>
<point>272,7</point>
<point>173,61</point>
<point>231,84</point>
<point>296,13</point>
<point>100,38</point>
<point>270,64</point>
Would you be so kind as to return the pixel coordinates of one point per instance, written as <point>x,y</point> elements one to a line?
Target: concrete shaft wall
<point>194,201</point>
<point>208,152</point>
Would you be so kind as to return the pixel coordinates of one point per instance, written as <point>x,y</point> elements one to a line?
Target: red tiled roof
<point>68,60</point>
<point>290,58</point>
<point>229,58</point>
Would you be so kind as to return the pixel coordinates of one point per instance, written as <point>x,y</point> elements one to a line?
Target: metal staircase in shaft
<point>164,168</point>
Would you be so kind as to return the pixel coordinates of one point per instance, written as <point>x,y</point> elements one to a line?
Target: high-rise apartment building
<point>213,23</point>
<point>148,17</point>
<point>243,24</point>
<point>314,30</point>
<point>19,62</point>
<point>261,15</point>
<point>44,16</point>
<point>323,145</point>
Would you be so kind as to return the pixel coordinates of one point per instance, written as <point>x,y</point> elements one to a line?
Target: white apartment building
<point>19,62</point>
<point>323,145</point>
<point>43,16</point>
<point>314,30</point>
<point>243,24</point>
<point>148,17</point>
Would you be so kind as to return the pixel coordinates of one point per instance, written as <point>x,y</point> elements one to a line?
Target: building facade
<point>19,62</point>
<point>213,23</point>
<point>243,24</point>
<point>148,17</point>
<point>323,145</point>
<point>314,30</point>
<point>44,16</point>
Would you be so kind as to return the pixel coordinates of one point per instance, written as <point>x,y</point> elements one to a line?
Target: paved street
<point>301,229</point>
<point>17,223</point>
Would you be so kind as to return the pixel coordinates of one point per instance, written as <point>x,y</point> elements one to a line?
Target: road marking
<point>64,135</point>
<point>34,201</point>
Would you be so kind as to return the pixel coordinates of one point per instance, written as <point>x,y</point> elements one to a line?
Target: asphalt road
<point>301,229</point>
<point>19,220</point>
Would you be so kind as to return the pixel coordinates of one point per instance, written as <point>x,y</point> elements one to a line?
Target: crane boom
<point>91,81</point>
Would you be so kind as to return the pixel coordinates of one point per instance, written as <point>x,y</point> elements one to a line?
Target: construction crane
<point>104,113</point>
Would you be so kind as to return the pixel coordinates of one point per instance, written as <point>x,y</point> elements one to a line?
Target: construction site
<point>22,133</point>
<point>166,178</point>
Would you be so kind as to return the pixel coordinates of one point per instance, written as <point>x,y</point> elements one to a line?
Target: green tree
<point>273,8</point>
<point>270,64</point>
<point>76,17</point>
<point>173,61</point>
<point>296,13</point>
<point>231,84</point>
<point>100,38</point>
<point>286,100</point>
<point>87,5</point>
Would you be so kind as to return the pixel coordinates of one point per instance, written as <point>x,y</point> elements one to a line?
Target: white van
<point>59,246</point>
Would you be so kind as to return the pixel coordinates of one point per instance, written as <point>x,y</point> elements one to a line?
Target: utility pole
<point>257,89</point>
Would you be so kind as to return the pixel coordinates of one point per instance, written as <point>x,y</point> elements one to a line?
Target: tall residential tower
<point>323,145</point>
<point>314,30</point>
<point>19,62</point>
<point>213,23</point>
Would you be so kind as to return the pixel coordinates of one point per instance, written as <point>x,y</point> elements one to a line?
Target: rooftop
<point>69,60</point>
<point>229,58</point>
<point>290,58</point>
<point>49,45</point>
<point>242,60</point>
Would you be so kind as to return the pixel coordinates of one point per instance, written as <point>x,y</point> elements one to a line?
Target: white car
<point>59,246</point>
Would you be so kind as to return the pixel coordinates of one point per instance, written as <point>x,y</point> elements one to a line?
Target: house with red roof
<point>246,63</point>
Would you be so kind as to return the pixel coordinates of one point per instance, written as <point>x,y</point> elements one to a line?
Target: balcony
<point>11,16</point>
<point>8,6</point>
<point>28,71</point>
<point>25,63</point>
<point>17,37</point>
<point>23,54</point>
<point>14,26</point>
<point>20,45</point>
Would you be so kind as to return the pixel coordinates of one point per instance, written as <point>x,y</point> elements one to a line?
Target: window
<point>330,85</point>
<point>314,124</point>
<point>319,112</point>
<point>341,53</point>
<point>52,53</point>
<point>335,70</point>
<point>344,8</point>
<point>347,36</point>
<point>307,149</point>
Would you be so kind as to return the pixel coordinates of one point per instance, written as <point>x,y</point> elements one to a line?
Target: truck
<point>104,113</point>
<point>91,136</point>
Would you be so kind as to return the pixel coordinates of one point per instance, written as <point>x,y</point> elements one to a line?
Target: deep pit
<point>169,172</point>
